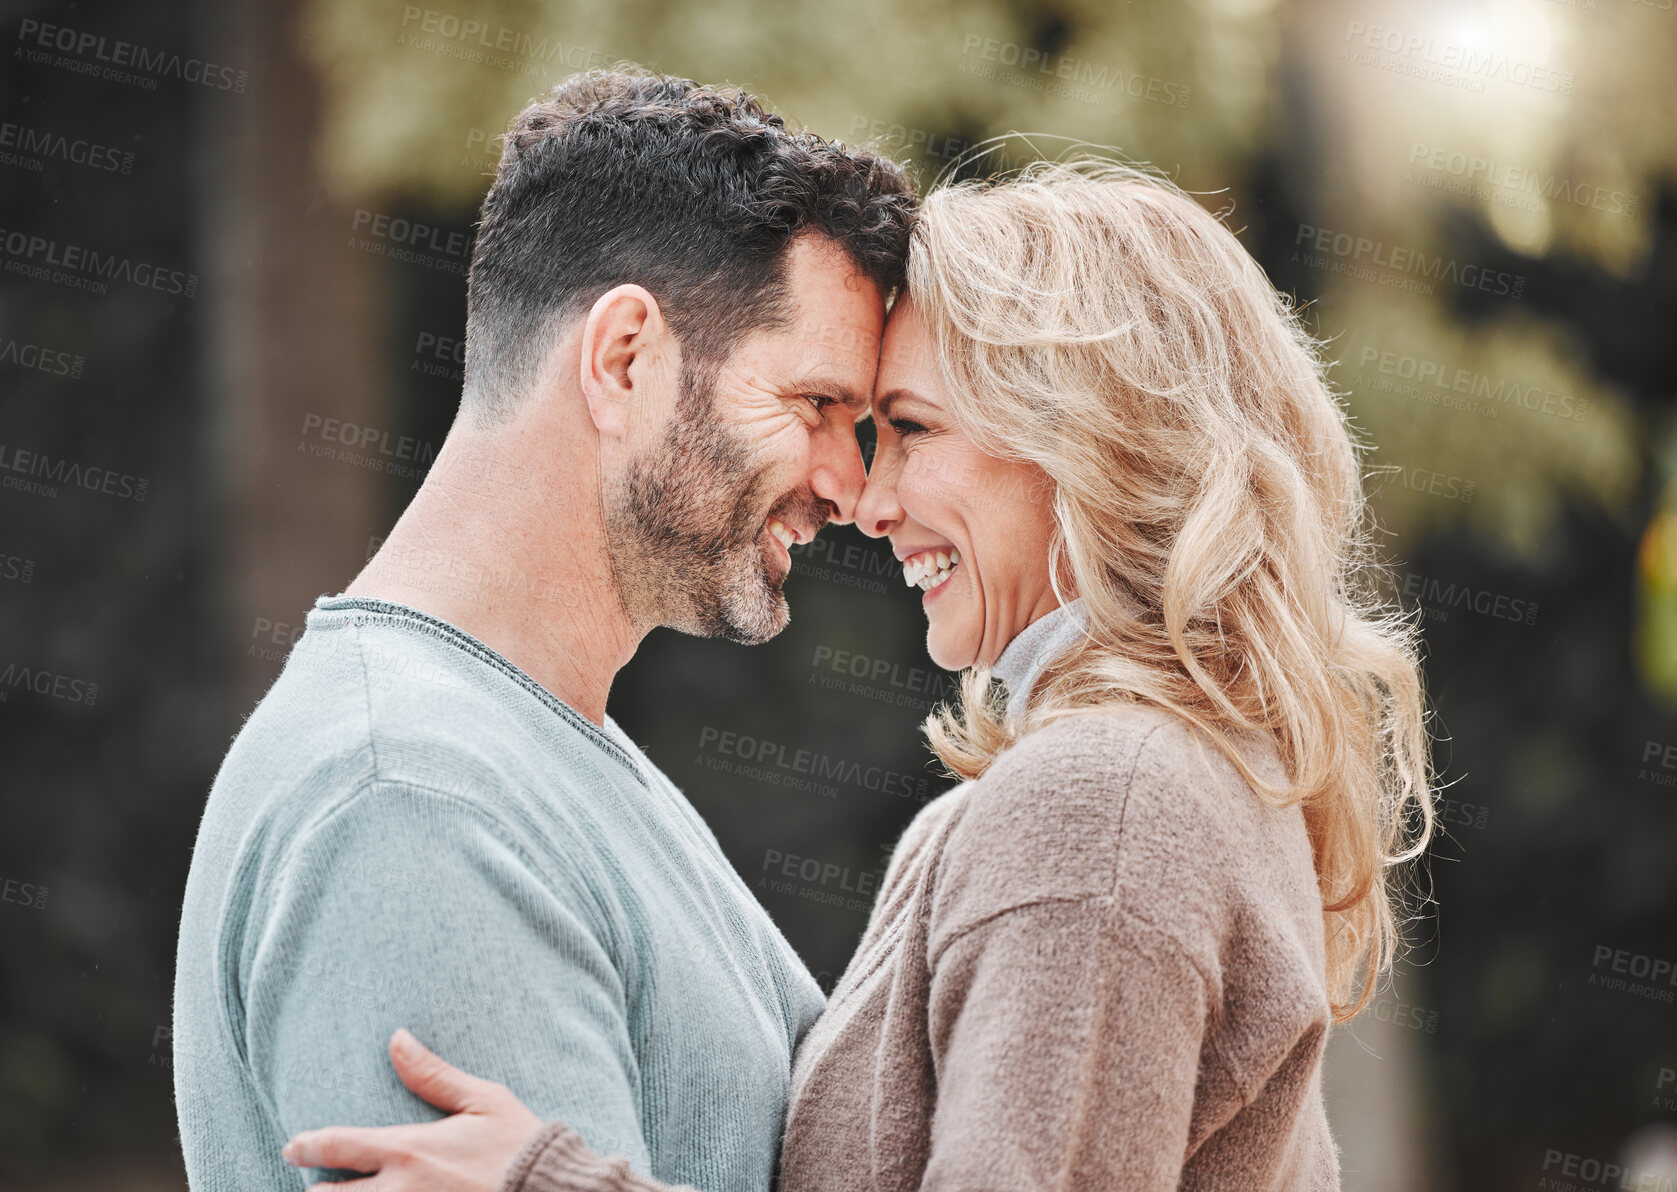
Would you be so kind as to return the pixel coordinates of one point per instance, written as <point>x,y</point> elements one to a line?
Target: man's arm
<point>407,907</point>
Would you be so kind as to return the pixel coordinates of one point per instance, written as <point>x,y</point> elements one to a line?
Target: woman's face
<point>971,530</point>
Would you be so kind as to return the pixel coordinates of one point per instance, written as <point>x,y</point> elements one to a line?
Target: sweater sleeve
<point>1067,1041</point>
<point>556,1159</point>
<point>411,907</point>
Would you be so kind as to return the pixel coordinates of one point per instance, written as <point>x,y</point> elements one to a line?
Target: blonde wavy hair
<point>1092,319</point>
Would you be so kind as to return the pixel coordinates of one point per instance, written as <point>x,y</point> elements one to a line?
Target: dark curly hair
<point>693,192</point>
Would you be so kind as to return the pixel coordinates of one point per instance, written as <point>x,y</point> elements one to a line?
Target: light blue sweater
<point>409,831</point>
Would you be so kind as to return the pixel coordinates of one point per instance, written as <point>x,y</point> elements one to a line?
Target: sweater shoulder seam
<point>1124,804</point>
<point>358,611</point>
<point>967,929</point>
<point>366,694</point>
<point>1048,899</point>
<point>1115,911</point>
<point>504,830</point>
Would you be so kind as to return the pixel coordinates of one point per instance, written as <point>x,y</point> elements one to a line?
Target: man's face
<point>755,457</point>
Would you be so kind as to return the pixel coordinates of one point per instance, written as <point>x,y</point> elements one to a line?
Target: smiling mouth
<point>930,569</point>
<point>783,533</point>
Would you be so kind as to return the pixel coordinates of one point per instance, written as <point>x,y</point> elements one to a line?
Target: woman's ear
<point>622,337</point>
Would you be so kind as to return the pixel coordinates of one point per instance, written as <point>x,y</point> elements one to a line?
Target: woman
<point>1111,957</point>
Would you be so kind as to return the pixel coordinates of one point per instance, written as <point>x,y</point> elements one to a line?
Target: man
<point>673,322</point>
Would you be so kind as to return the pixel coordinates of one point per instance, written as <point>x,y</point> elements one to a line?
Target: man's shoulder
<point>374,717</point>
<point>409,703</point>
<point>378,677</point>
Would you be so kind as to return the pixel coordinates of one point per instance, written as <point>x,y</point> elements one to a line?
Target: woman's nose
<point>878,512</point>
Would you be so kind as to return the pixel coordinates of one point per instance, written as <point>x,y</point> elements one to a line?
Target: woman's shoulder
<point>1091,741</point>
<point>1132,768</point>
<point>921,836</point>
<point>1043,822</point>
<point>1081,771</point>
<point>1126,802</point>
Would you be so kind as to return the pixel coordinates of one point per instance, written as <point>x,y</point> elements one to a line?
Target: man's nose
<point>838,475</point>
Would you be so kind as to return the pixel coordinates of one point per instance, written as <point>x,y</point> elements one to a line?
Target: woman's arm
<point>1067,1040</point>
<point>491,1140</point>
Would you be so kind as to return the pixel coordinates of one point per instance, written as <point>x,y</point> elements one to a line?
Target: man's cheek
<point>763,412</point>
<point>779,441</point>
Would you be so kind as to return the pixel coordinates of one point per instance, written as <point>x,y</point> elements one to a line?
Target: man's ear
<point>622,339</point>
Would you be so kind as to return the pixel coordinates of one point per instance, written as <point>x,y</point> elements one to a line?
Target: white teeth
<point>930,568</point>
<point>783,535</point>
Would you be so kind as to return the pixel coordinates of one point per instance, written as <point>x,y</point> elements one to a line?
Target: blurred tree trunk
<point>298,524</point>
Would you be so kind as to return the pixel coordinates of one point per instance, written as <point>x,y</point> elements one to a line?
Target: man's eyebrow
<point>836,389</point>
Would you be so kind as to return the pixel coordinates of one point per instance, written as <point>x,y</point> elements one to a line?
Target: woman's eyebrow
<point>882,404</point>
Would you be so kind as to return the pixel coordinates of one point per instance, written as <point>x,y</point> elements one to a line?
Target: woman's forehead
<point>905,358</point>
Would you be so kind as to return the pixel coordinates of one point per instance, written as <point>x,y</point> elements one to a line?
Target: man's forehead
<point>842,338</point>
<point>832,338</point>
<point>843,342</point>
<point>832,297</point>
<point>831,346</point>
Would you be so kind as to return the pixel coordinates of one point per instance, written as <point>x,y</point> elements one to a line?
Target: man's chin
<point>754,618</point>
<point>745,605</point>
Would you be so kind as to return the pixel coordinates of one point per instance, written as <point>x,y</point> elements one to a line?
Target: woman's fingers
<point>352,1148</point>
<point>466,1152</point>
<point>437,1080</point>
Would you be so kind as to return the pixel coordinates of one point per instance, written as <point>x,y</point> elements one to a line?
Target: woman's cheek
<point>927,479</point>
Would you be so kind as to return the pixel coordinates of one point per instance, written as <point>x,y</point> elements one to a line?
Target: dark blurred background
<point>233,239</point>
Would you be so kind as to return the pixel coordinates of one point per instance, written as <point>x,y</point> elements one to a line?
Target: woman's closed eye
<point>905,427</point>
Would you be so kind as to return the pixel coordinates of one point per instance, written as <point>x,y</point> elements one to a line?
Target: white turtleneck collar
<point>1035,646</point>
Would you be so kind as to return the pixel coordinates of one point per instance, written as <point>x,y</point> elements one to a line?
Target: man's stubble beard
<point>683,525</point>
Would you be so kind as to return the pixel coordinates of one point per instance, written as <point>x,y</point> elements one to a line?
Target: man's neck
<point>509,547</point>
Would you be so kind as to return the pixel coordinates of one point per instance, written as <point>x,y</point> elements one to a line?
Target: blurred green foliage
<point>418,95</point>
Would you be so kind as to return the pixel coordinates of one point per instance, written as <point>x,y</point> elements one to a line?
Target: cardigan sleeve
<point>556,1159</point>
<point>1067,1040</point>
